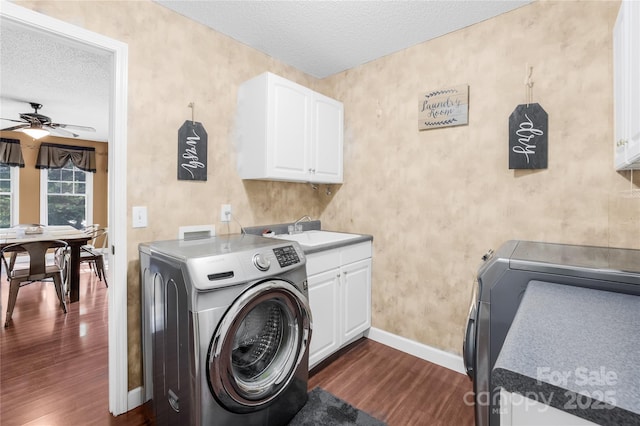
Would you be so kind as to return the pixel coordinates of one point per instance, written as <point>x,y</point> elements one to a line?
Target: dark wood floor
<point>54,370</point>
<point>397,388</point>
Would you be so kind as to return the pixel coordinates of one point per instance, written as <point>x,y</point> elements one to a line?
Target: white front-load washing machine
<point>226,330</point>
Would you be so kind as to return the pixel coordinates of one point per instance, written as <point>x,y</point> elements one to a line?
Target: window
<point>66,196</point>
<point>8,195</point>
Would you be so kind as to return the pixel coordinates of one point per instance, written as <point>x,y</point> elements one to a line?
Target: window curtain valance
<point>11,152</point>
<point>54,156</point>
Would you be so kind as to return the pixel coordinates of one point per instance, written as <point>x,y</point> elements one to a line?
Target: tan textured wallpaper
<point>434,200</point>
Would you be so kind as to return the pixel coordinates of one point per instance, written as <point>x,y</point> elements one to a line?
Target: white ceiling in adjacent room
<point>70,81</point>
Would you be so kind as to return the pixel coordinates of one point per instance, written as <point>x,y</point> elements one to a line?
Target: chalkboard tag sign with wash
<point>192,151</point>
<point>444,108</point>
<point>528,145</point>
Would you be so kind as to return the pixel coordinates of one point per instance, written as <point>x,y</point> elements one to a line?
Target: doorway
<point>118,361</point>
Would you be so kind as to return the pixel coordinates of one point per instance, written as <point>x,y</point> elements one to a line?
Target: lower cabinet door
<point>325,310</point>
<point>356,296</point>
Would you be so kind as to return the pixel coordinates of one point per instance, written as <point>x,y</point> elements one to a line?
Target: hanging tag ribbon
<point>528,85</point>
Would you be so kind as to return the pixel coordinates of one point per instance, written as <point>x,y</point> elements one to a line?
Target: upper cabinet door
<point>620,87</point>
<point>327,141</point>
<point>633,79</point>
<point>288,132</point>
<point>626,77</point>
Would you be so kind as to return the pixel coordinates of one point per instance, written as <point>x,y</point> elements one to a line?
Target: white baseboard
<point>135,398</point>
<point>420,350</point>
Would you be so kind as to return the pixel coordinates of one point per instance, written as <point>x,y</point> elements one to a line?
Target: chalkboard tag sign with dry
<point>528,146</point>
<point>444,108</point>
<point>192,151</point>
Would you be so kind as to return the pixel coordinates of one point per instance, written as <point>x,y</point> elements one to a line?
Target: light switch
<point>139,216</point>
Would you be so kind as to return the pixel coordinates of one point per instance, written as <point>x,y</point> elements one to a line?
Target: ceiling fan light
<point>36,132</point>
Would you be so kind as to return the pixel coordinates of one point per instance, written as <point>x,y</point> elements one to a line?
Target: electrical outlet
<point>225,213</point>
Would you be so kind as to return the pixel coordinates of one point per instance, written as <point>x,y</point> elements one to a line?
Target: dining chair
<point>38,269</point>
<point>21,228</point>
<point>93,253</point>
<point>89,229</point>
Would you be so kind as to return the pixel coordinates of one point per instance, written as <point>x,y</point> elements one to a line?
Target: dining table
<point>76,238</point>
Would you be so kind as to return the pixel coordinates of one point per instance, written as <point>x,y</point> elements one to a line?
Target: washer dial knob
<point>261,262</point>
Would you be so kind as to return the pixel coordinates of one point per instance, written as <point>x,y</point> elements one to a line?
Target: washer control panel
<point>286,256</point>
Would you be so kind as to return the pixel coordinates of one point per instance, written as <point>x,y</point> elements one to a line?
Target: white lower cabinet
<point>340,298</point>
<point>518,410</point>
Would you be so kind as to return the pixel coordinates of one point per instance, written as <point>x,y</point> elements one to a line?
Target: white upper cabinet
<point>626,77</point>
<point>288,132</point>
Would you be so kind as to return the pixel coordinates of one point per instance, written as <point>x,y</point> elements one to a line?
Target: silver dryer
<point>501,282</point>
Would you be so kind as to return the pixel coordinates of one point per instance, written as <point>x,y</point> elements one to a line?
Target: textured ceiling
<point>322,38</point>
<point>71,82</point>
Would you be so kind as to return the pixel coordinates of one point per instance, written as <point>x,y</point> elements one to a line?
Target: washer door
<point>258,345</point>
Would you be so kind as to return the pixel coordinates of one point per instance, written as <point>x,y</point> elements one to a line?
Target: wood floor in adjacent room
<point>54,370</point>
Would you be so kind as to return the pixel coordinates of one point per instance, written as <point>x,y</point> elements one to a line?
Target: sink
<point>316,238</point>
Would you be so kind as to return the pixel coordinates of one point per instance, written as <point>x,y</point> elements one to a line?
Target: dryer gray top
<point>590,257</point>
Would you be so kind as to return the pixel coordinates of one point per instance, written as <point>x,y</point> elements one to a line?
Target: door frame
<point>117,293</point>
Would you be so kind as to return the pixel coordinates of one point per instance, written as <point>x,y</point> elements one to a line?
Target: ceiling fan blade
<point>14,99</point>
<point>18,127</point>
<point>61,132</point>
<point>72,126</point>
<point>11,119</point>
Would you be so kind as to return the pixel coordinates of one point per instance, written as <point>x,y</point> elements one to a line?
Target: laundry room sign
<point>444,108</point>
<point>528,145</point>
<point>192,151</point>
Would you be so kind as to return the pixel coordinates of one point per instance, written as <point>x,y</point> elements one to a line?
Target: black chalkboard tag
<point>528,143</point>
<point>192,151</point>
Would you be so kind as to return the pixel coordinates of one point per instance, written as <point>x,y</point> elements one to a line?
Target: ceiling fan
<point>38,125</point>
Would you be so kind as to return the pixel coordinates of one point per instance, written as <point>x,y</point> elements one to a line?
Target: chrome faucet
<point>297,226</point>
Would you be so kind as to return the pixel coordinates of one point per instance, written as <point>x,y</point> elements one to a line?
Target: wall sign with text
<point>528,145</point>
<point>444,108</point>
<point>192,151</point>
